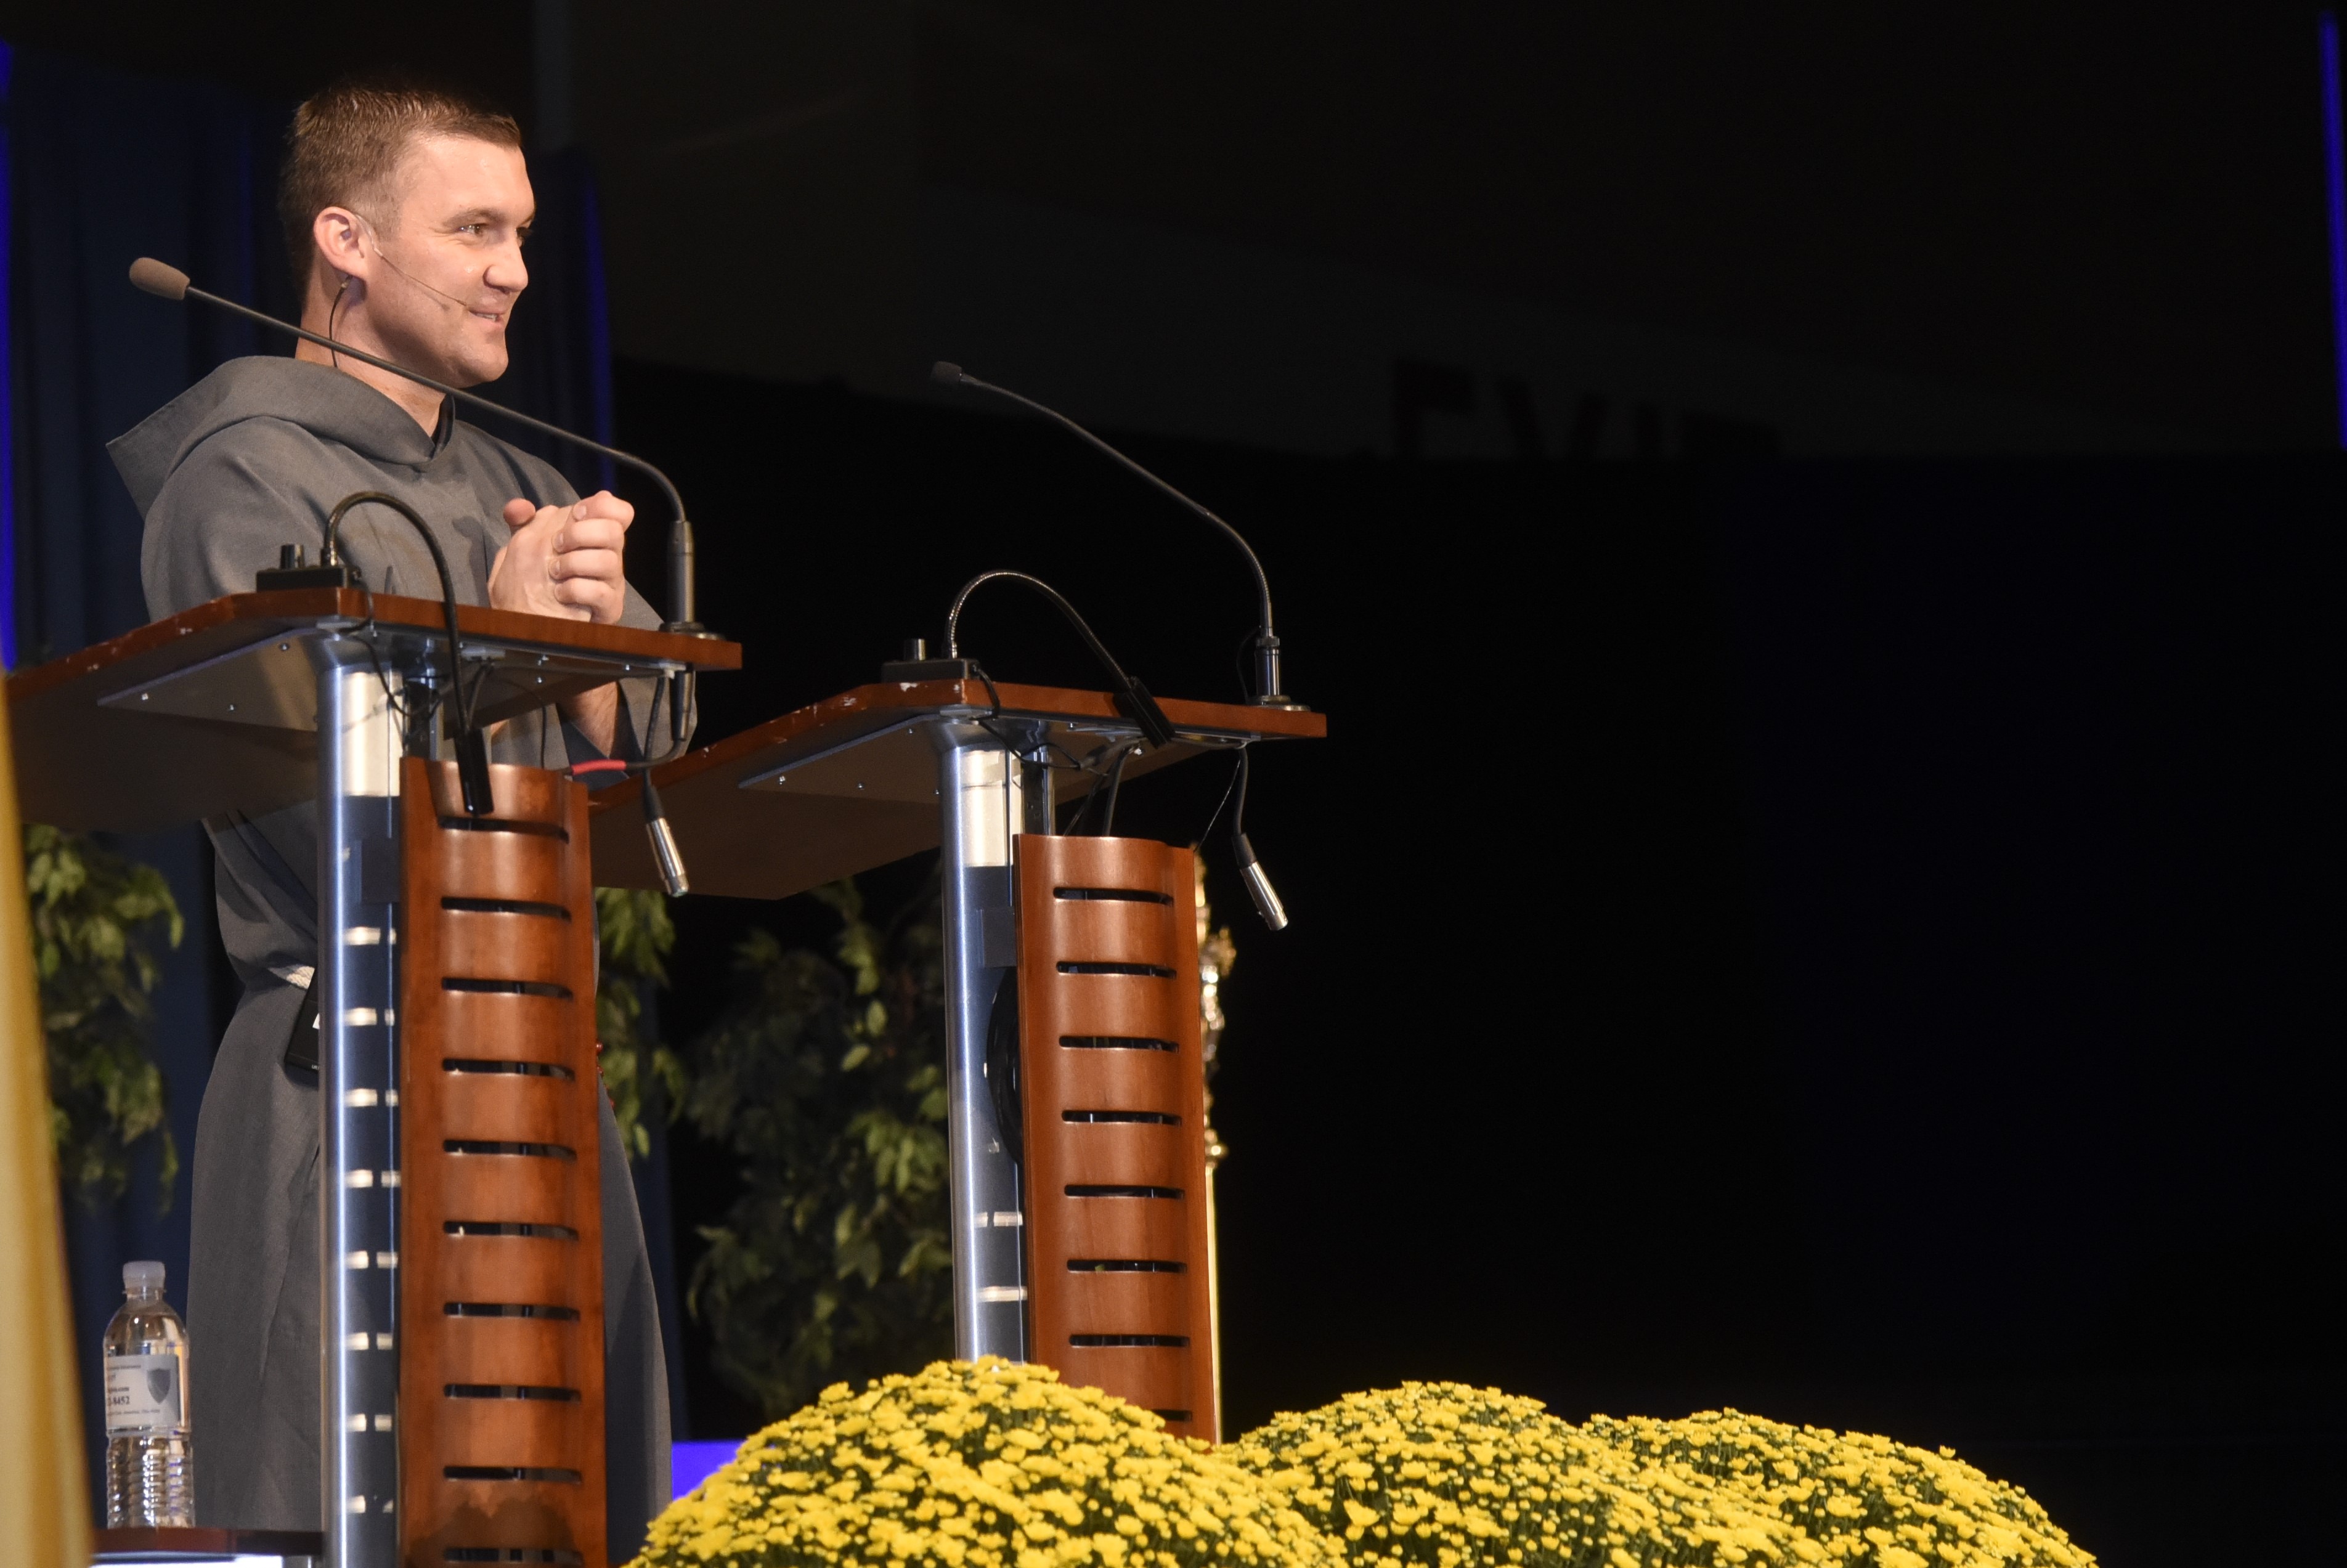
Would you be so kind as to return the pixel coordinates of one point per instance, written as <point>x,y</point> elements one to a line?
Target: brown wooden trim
<point>193,1540</point>
<point>1114,1138</point>
<point>286,607</point>
<point>923,696</point>
<point>506,1229</point>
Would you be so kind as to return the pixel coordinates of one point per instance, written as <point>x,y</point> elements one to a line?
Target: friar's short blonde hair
<point>345,143</point>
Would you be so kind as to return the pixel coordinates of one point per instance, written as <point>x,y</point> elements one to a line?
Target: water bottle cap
<point>142,1277</point>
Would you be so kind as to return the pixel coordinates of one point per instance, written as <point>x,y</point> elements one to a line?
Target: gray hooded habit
<point>251,457</point>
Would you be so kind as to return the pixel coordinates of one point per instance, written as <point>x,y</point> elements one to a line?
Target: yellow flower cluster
<point>983,1464</point>
<point>1444,1476</point>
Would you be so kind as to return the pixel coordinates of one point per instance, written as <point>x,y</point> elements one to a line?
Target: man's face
<point>452,248</point>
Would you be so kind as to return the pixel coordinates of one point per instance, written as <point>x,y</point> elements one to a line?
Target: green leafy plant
<point>94,914</point>
<point>637,934</point>
<point>824,1080</point>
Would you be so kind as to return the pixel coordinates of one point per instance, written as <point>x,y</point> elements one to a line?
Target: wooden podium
<point>1079,1241</point>
<point>459,1214</point>
<point>461,1280</point>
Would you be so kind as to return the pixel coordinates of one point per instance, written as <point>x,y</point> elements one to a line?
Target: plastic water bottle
<point>151,1475</point>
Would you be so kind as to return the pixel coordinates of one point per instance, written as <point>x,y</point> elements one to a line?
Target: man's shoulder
<point>268,449</point>
<point>271,432</point>
<point>265,408</point>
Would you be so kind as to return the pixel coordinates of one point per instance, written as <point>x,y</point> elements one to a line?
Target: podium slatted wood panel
<point>1112,1088</point>
<point>501,1364</point>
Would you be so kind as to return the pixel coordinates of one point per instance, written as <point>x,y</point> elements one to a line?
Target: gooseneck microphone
<point>169,282</point>
<point>1266,645</point>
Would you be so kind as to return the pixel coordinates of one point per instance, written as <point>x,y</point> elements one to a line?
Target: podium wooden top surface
<point>851,782</point>
<point>215,708</point>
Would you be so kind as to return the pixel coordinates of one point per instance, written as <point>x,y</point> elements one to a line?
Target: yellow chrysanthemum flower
<point>1444,1476</point>
<point>979,1465</point>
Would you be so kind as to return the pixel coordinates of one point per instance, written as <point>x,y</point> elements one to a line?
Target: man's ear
<point>338,235</point>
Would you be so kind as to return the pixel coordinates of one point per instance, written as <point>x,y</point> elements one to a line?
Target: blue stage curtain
<point>105,167</point>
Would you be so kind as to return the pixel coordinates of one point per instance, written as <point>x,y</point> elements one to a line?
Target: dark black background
<point>2113,208</point>
<point>1843,941</point>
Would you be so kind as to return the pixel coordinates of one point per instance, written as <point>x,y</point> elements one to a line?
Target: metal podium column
<point>984,800</point>
<point>358,1096</point>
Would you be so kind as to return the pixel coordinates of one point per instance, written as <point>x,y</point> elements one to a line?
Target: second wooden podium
<point>1078,1232</point>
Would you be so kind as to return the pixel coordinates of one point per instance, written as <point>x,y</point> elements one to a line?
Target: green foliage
<point>826,1080</point>
<point>94,914</point>
<point>636,933</point>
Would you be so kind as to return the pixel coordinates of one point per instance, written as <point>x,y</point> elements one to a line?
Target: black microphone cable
<point>333,311</point>
<point>1251,872</point>
<point>472,747</point>
<point>1131,697</point>
<point>1107,780</point>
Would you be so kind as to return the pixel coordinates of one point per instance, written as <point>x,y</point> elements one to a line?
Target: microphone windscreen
<point>944,370</point>
<point>156,277</point>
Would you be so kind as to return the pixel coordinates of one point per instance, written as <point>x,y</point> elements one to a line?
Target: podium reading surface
<point>852,781</point>
<point>216,709</point>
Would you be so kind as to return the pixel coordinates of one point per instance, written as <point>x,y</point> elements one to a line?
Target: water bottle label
<point>143,1395</point>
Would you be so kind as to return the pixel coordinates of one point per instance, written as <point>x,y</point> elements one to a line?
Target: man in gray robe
<point>405,209</point>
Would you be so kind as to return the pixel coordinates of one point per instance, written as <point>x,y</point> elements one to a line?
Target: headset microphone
<point>385,257</point>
